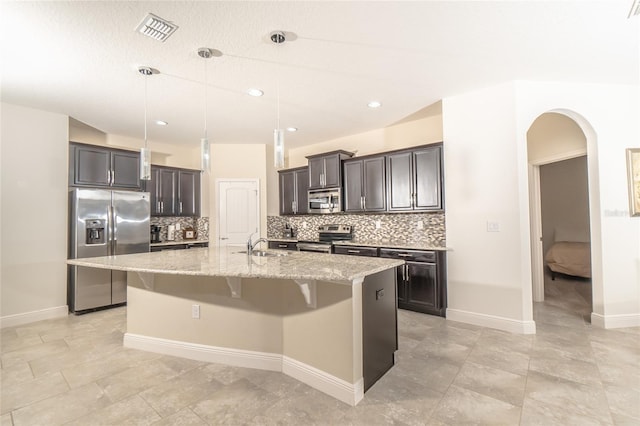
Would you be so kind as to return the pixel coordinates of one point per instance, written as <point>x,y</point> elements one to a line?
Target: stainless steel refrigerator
<point>103,223</point>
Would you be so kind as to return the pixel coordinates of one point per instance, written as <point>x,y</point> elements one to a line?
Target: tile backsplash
<point>393,226</point>
<point>200,224</point>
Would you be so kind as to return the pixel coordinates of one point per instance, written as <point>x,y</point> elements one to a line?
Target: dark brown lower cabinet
<point>421,280</point>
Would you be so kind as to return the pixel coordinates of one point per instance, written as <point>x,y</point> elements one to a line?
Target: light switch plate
<point>178,226</point>
<point>195,311</point>
<point>493,226</point>
<point>420,224</point>
<point>378,224</point>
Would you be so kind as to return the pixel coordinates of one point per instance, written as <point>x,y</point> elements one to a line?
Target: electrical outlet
<point>304,225</point>
<point>195,311</point>
<point>420,224</point>
<point>493,226</point>
<point>206,226</point>
<point>178,226</point>
<point>378,224</point>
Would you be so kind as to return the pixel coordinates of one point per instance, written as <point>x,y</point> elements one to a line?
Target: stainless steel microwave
<point>325,201</point>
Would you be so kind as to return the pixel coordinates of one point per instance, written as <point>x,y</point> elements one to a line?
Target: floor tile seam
<point>41,399</point>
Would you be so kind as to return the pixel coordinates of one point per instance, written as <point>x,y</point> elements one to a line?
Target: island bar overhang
<point>336,335</point>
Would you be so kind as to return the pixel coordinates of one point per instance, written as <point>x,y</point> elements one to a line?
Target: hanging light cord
<point>205,98</point>
<point>145,110</point>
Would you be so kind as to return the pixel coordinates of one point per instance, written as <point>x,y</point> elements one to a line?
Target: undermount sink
<point>266,253</point>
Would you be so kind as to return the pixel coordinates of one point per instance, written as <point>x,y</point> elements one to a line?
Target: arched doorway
<point>558,143</point>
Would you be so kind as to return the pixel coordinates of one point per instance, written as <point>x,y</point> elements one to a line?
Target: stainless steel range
<point>327,234</point>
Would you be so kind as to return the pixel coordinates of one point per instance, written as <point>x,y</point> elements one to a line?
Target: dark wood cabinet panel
<point>283,245</point>
<point>125,167</point>
<point>325,170</point>
<point>188,193</point>
<point>96,166</point>
<point>356,250</point>
<point>364,185</point>
<point>353,175</point>
<point>428,186</point>
<point>92,166</point>
<point>293,186</point>
<point>373,188</point>
<point>422,284</point>
<point>174,192</point>
<point>399,186</point>
<point>414,179</point>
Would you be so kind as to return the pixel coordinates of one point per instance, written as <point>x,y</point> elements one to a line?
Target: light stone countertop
<point>226,262</point>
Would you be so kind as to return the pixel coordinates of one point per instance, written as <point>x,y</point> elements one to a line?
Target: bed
<point>570,254</point>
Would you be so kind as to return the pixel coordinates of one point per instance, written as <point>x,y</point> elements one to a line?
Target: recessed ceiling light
<point>255,92</point>
<point>292,129</point>
<point>161,123</point>
<point>155,27</point>
<point>374,104</point>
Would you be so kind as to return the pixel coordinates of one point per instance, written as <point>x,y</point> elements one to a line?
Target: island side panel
<point>329,336</point>
<point>163,309</point>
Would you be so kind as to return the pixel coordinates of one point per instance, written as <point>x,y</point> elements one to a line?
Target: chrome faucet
<point>252,245</point>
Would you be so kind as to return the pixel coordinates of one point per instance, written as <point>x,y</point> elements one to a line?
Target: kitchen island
<point>327,320</point>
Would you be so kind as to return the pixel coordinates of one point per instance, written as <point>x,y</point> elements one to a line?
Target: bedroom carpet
<point>75,371</point>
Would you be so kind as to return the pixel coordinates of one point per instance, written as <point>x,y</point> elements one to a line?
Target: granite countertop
<point>175,243</point>
<point>227,262</point>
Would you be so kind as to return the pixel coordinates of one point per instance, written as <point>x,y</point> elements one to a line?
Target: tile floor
<point>75,371</point>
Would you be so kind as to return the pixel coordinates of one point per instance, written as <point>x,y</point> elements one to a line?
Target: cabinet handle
<point>113,177</point>
<point>353,251</point>
<point>361,204</point>
<point>404,276</point>
<point>404,255</point>
<point>180,206</point>
<point>364,202</point>
<point>283,246</point>
<point>162,206</point>
<point>108,177</point>
<point>293,206</point>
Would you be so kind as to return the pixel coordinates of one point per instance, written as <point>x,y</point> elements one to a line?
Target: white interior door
<point>239,210</point>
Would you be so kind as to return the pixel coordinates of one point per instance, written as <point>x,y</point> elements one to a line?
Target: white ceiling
<point>80,59</point>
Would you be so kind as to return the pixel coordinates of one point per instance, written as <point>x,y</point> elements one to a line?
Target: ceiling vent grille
<point>635,8</point>
<point>155,27</point>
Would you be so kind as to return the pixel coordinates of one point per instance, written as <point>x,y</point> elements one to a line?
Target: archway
<point>554,136</point>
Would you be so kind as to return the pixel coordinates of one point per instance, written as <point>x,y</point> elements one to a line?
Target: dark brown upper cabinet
<point>364,184</point>
<point>325,170</point>
<point>174,192</point>
<point>96,166</point>
<point>414,179</point>
<point>293,186</point>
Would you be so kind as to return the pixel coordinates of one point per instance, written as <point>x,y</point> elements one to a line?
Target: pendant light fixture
<point>145,152</point>
<point>205,148</point>
<point>278,37</point>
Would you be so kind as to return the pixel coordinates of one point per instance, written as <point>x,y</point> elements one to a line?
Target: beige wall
<point>418,132</point>
<point>554,136</point>
<point>33,214</point>
<point>247,161</point>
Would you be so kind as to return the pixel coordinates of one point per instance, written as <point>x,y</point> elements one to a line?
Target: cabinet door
<point>428,188</point>
<point>153,188</point>
<point>287,192</point>
<point>399,181</point>
<point>92,166</point>
<point>353,181</point>
<point>316,172</point>
<point>125,168</point>
<point>332,171</point>
<point>373,186</point>
<point>423,287</point>
<point>188,193</point>
<point>168,192</point>
<point>402,285</point>
<point>302,188</point>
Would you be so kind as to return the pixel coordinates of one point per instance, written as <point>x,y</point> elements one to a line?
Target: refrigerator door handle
<point>114,230</point>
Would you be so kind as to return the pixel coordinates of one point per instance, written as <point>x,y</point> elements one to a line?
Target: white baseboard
<point>346,392</point>
<point>492,321</point>
<point>33,316</point>
<point>615,321</point>
<point>339,389</point>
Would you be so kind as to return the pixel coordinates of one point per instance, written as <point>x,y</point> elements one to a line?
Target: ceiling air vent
<point>635,8</point>
<point>155,27</point>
